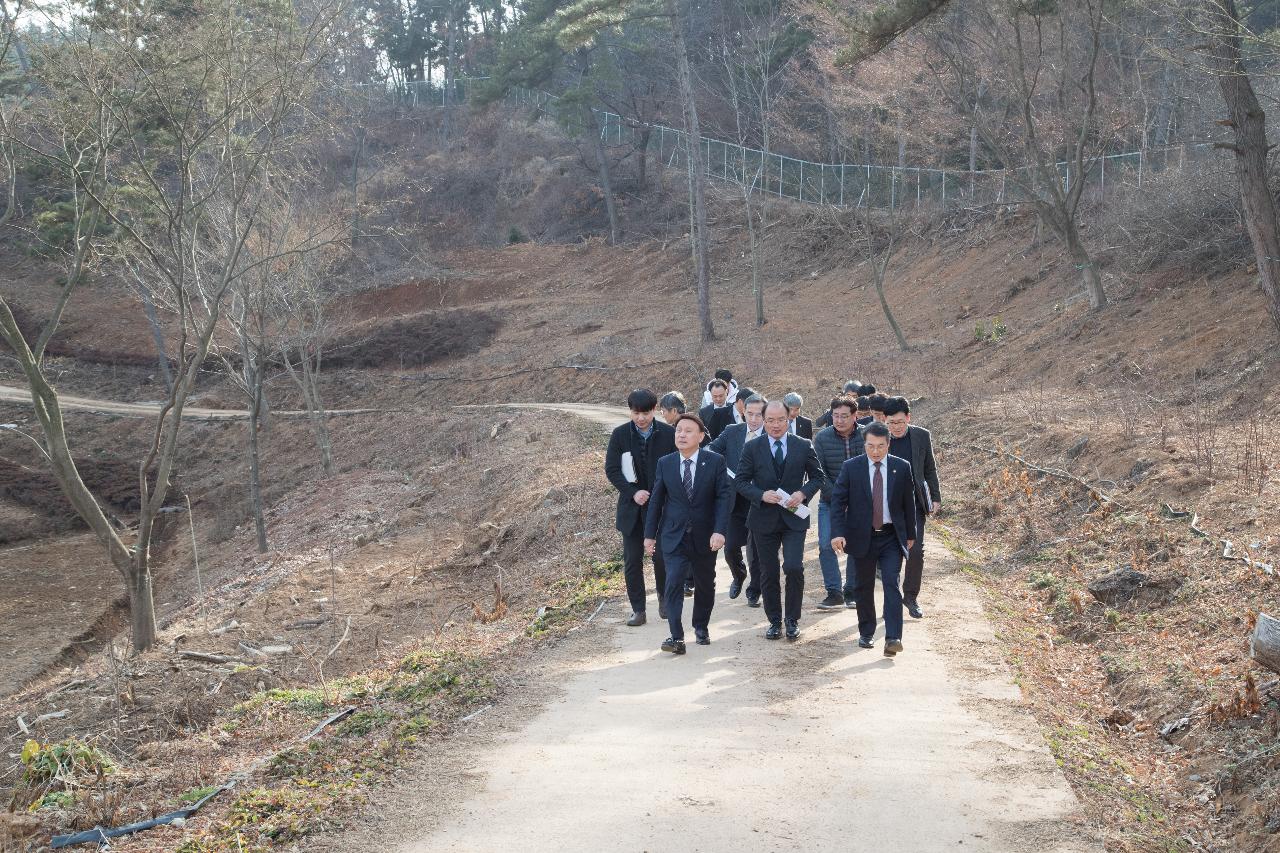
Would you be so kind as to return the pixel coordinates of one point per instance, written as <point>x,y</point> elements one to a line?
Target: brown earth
<point>1145,381</point>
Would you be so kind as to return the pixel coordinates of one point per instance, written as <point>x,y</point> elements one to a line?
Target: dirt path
<point>749,744</point>
<point>107,407</point>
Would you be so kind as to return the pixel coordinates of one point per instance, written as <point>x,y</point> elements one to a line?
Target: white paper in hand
<point>800,510</point>
<point>628,467</point>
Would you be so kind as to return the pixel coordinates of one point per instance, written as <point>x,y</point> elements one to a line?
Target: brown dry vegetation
<point>1174,387</point>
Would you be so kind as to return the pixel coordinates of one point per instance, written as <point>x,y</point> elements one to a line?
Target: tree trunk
<point>355,186</point>
<point>642,157</point>
<point>888,313</point>
<point>1089,275</point>
<point>1264,645</point>
<point>606,181</point>
<point>142,606</point>
<point>1248,124</point>
<point>1162,120</point>
<point>255,467</point>
<point>697,175</point>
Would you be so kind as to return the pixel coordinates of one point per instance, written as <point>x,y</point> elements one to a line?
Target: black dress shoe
<point>676,647</point>
<point>753,600</point>
<point>774,632</point>
<point>735,587</point>
<point>637,618</point>
<point>662,610</point>
<point>702,636</point>
<point>892,647</point>
<point>833,601</point>
<point>866,642</point>
<point>793,630</point>
<point>914,610</point>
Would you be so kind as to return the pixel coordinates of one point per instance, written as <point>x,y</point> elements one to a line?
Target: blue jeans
<point>827,558</point>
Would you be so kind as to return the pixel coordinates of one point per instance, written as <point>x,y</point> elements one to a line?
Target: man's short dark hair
<point>756,398</point>
<point>877,429</point>
<point>853,386</point>
<point>864,403</point>
<point>689,416</point>
<point>642,400</point>
<point>896,406</point>
<point>672,400</point>
<point>876,402</point>
<point>724,373</point>
<point>850,403</point>
<point>745,394</point>
<point>717,383</point>
<point>867,390</point>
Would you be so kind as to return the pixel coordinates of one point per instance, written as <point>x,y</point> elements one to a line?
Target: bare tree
<point>157,135</point>
<point>755,53</point>
<point>1026,76</point>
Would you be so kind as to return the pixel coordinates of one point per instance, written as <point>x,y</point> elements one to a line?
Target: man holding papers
<point>779,472</point>
<point>630,462</point>
<point>729,445</point>
<point>686,520</point>
<point>873,520</point>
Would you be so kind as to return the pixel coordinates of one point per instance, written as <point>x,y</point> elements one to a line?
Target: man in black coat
<point>687,518</point>
<point>630,462</point>
<point>730,445</point>
<point>873,515</point>
<point>718,414</point>
<point>915,444</point>
<point>779,472</point>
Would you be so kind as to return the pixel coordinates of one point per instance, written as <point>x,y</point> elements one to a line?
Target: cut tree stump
<point>1264,646</point>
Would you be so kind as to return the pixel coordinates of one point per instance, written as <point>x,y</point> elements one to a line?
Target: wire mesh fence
<point>837,184</point>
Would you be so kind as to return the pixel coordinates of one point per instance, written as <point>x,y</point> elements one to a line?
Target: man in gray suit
<point>729,444</point>
<point>914,444</point>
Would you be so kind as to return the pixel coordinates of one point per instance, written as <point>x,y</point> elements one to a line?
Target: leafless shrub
<point>1187,218</point>
<point>1203,438</point>
<point>1257,457</point>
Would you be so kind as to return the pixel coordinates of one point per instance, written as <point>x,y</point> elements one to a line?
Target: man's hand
<point>911,543</point>
<point>837,544</point>
<point>771,497</point>
<point>650,545</point>
<point>641,497</point>
<point>937,507</point>
<point>717,541</point>
<point>797,498</point>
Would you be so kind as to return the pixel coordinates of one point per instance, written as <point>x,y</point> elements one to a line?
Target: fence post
<point>842,184</point>
<point>893,188</point>
<point>944,187</point>
<point>1102,193</point>
<point>917,189</point>
<point>1139,168</point>
<point>802,180</point>
<point>779,176</point>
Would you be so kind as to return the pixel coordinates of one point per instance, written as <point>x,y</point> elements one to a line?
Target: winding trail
<point>69,403</point>
<point>750,745</point>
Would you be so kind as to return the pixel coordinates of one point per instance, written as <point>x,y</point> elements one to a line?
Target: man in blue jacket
<point>687,518</point>
<point>873,520</point>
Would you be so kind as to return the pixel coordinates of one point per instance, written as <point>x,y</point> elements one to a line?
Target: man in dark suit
<point>779,473</point>
<point>799,424</point>
<point>915,444</point>
<point>730,445</point>
<point>717,414</point>
<point>636,446</point>
<point>687,518</point>
<point>873,508</point>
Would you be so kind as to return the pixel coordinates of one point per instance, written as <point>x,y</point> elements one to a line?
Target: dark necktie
<point>778,458</point>
<point>688,478</point>
<point>877,499</point>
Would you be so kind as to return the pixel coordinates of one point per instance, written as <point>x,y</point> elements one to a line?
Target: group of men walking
<point>740,475</point>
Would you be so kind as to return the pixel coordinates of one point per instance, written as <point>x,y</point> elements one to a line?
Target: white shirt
<point>733,393</point>
<point>871,480</point>
<point>693,469</point>
<point>792,427</point>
